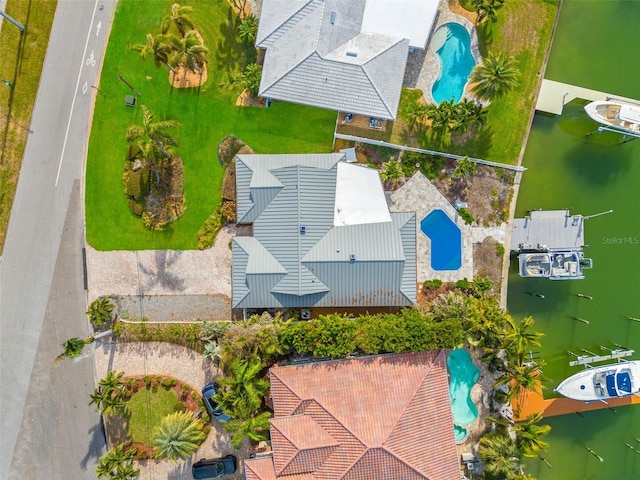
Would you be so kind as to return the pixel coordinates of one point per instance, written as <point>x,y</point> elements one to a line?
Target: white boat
<point>601,383</point>
<point>615,114</point>
<point>554,264</point>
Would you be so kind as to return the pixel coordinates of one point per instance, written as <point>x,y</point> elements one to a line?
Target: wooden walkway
<point>554,96</point>
<point>533,402</point>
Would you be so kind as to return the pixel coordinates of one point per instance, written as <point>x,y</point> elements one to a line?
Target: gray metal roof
<point>370,264</point>
<point>318,56</point>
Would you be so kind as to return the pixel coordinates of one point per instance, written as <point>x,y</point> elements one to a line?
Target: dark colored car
<point>214,410</point>
<point>214,467</point>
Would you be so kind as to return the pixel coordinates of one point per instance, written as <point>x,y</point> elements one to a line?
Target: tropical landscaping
<point>206,114</point>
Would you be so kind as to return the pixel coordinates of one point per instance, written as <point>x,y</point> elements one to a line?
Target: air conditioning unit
<point>305,314</point>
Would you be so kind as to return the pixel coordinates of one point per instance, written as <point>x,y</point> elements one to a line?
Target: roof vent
<point>303,229</point>
<point>332,19</point>
<point>352,54</point>
<point>352,257</point>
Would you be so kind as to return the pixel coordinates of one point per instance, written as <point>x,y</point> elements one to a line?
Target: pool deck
<point>419,195</point>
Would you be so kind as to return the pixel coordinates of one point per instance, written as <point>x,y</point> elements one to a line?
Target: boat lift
<point>616,353</point>
<point>624,133</point>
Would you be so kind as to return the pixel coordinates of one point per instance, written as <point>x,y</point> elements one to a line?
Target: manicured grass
<point>147,408</point>
<point>206,116</point>
<point>523,30</point>
<point>21,59</point>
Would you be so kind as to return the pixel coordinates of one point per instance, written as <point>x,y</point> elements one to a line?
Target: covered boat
<point>554,265</point>
<point>601,383</point>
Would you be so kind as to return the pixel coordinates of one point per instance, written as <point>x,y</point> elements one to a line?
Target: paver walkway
<point>157,358</point>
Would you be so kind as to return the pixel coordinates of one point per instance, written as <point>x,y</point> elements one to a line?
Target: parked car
<point>210,404</point>
<point>214,467</point>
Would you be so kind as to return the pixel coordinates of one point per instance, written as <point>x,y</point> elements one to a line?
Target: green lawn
<point>523,30</point>
<point>206,116</point>
<point>21,59</point>
<point>147,409</point>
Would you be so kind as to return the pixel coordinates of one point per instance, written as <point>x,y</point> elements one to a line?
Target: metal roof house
<point>380,417</point>
<point>322,236</point>
<point>341,55</point>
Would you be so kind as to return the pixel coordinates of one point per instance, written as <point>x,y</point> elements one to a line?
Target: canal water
<point>596,47</point>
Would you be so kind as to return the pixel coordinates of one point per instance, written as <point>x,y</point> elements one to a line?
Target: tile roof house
<point>322,236</point>
<point>341,55</point>
<point>380,417</point>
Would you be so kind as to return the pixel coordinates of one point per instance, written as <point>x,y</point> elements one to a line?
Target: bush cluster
<point>211,227</point>
<point>337,336</point>
<point>185,334</point>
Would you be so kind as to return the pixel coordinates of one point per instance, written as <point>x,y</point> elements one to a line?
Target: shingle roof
<point>297,257</point>
<point>318,55</point>
<point>387,416</point>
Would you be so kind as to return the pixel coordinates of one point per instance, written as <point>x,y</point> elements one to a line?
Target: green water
<point>590,174</point>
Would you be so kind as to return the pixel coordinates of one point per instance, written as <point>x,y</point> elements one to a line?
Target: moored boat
<point>554,265</point>
<point>615,114</point>
<point>615,380</point>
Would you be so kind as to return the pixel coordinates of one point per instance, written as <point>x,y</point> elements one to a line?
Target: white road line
<point>75,93</point>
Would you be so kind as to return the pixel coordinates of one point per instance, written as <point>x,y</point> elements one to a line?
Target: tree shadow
<point>475,143</point>
<point>233,54</point>
<point>97,445</point>
<point>485,37</point>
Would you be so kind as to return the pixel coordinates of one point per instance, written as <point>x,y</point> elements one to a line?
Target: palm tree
<point>117,464</point>
<point>100,311</point>
<point>158,47</point>
<point>518,338</point>
<point>178,436</point>
<point>391,171</point>
<point>465,168</point>
<point>495,76</point>
<point>521,378</point>
<point>242,391</point>
<point>151,137</point>
<point>441,116</point>
<point>416,112</point>
<point>529,435</point>
<point>500,456</point>
<point>178,16</point>
<point>110,396</point>
<point>255,427</point>
<point>251,78</point>
<point>73,347</point>
<point>188,52</point>
<point>488,9</point>
<point>248,29</point>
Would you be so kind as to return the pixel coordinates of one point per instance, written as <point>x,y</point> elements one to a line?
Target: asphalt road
<point>47,428</point>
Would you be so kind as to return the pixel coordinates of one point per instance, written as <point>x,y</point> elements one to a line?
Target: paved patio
<point>419,195</point>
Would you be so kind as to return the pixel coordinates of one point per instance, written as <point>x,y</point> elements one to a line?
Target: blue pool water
<point>463,374</point>
<point>446,241</point>
<point>452,43</point>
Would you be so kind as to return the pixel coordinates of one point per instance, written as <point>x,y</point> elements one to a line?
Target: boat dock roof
<point>548,229</point>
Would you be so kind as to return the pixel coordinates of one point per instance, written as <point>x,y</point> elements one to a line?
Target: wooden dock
<point>554,96</point>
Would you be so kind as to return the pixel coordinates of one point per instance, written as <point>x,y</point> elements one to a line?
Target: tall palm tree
<point>73,347</point>
<point>487,9</point>
<point>178,436</point>
<point>495,76</point>
<point>188,52</point>
<point>521,378</point>
<point>518,338</point>
<point>117,464</point>
<point>179,15</point>
<point>416,112</point>
<point>242,391</point>
<point>500,456</point>
<point>100,311</point>
<point>248,29</point>
<point>529,435</point>
<point>110,396</point>
<point>158,47</point>
<point>255,427</point>
<point>151,137</point>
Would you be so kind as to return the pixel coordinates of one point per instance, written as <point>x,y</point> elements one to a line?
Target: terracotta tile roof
<point>386,416</point>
